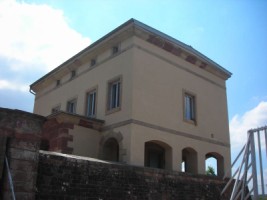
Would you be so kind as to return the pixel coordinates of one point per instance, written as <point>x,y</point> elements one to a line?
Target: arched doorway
<point>154,155</point>
<point>158,155</point>
<point>189,160</point>
<point>111,150</point>
<point>216,161</point>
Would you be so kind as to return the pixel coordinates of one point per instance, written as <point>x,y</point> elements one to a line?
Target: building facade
<point>139,97</point>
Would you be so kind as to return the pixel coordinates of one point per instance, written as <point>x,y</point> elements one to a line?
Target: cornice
<point>164,129</point>
<point>78,120</point>
<point>149,34</point>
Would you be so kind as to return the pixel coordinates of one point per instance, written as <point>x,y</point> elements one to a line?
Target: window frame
<point>192,118</point>
<point>73,74</point>
<point>118,95</point>
<point>90,91</point>
<point>92,62</point>
<point>74,101</point>
<point>115,49</point>
<point>58,82</point>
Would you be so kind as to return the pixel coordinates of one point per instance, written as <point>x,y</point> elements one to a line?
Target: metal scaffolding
<point>247,182</point>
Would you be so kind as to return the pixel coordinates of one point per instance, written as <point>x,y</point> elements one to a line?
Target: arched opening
<point>211,166</point>
<point>158,155</point>
<point>189,160</point>
<point>111,150</point>
<point>215,161</point>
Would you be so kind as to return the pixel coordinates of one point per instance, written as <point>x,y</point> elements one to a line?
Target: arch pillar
<point>137,156</point>
<point>201,163</point>
<point>220,167</point>
<point>176,159</point>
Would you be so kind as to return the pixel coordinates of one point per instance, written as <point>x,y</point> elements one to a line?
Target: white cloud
<point>15,86</point>
<point>36,37</point>
<point>239,125</point>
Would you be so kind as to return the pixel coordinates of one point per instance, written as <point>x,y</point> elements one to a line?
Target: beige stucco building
<point>140,97</point>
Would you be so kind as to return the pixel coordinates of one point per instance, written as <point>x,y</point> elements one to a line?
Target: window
<point>58,82</point>
<point>55,109</point>
<point>73,74</point>
<point>93,62</point>
<point>189,107</point>
<point>71,106</point>
<point>91,103</point>
<point>114,94</point>
<point>154,155</point>
<point>115,49</point>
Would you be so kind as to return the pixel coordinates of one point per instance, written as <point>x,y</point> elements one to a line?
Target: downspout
<point>31,91</point>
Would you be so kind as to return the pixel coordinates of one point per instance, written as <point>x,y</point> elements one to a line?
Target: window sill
<point>193,122</point>
<point>113,110</point>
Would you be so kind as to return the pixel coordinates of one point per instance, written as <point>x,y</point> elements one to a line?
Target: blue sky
<point>37,36</point>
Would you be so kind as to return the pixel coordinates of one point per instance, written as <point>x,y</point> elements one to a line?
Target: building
<point>140,97</point>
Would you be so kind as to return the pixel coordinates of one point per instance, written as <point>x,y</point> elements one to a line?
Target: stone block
<point>32,145</point>
<point>75,178</point>
<point>20,154</point>
<point>23,165</point>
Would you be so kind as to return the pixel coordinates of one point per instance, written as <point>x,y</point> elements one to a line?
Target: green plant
<point>210,171</point>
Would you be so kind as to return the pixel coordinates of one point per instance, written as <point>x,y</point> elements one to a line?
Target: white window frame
<point>71,106</point>
<point>190,114</point>
<point>114,94</point>
<point>91,102</point>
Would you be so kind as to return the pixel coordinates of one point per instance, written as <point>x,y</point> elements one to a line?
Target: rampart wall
<point>48,175</point>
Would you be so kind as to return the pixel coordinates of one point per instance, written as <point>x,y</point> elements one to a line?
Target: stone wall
<point>68,177</point>
<point>46,175</point>
<point>20,135</point>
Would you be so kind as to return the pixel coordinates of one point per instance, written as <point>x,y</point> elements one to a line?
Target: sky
<point>38,35</point>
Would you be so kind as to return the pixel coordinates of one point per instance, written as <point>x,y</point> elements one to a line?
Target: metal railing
<point>10,179</point>
<point>250,167</point>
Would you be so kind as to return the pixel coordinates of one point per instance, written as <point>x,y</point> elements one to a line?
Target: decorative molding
<point>176,52</point>
<point>76,119</point>
<point>180,67</point>
<point>160,128</point>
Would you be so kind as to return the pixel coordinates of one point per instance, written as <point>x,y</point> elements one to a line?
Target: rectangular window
<point>58,82</point>
<point>71,106</point>
<point>115,49</point>
<point>73,74</point>
<point>189,107</point>
<point>91,103</point>
<point>114,94</point>
<point>93,62</point>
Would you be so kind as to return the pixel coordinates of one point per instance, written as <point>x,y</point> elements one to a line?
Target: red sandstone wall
<point>20,133</point>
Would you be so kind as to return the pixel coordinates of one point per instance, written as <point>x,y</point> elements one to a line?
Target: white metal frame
<point>247,170</point>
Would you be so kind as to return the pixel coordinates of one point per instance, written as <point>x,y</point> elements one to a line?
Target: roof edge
<point>186,47</point>
<point>73,58</point>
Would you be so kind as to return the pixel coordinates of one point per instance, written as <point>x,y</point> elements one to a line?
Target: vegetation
<point>210,171</point>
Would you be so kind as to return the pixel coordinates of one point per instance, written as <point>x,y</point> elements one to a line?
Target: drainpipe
<point>31,91</point>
